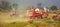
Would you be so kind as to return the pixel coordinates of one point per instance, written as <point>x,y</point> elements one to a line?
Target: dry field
<point>7,21</point>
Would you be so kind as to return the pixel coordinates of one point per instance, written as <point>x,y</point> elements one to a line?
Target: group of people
<point>37,13</point>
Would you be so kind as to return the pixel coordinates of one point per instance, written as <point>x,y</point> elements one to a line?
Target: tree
<point>15,6</point>
<point>53,7</point>
<point>4,5</point>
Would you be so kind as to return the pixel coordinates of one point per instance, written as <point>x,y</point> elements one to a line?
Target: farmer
<point>30,12</point>
<point>44,14</point>
<point>39,13</point>
<point>36,13</point>
<point>13,13</point>
<point>54,16</point>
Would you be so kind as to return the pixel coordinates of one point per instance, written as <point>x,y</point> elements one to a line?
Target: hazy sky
<point>26,3</point>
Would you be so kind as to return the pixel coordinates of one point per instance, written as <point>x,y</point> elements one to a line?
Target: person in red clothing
<point>54,16</point>
<point>30,11</point>
<point>44,14</point>
<point>13,13</point>
<point>36,14</point>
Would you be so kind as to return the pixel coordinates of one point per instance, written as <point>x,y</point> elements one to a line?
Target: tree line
<point>6,6</point>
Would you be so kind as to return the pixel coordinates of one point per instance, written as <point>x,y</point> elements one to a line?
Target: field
<point>7,21</point>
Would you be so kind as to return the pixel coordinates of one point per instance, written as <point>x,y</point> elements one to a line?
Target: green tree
<point>15,6</point>
<point>53,7</point>
<point>4,5</point>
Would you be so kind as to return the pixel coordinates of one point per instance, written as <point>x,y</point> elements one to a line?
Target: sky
<point>26,3</point>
